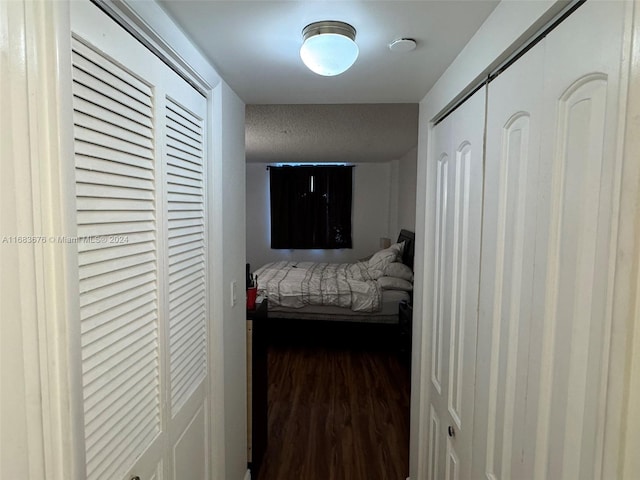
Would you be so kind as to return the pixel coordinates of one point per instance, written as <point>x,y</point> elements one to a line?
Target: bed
<point>368,291</point>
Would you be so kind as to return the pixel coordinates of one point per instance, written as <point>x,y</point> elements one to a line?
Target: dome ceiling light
<point>329,47</point>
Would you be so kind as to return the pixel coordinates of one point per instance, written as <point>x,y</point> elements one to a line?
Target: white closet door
<point>457,146</point>
<point>185,274</point>
<point>547,269</point>
<point>119,279</point>
<point>514,120</point>
<point>575,243</point>
<point>140,159</point>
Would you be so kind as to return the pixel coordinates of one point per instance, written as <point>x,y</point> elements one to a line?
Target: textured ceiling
<point>330,133</point>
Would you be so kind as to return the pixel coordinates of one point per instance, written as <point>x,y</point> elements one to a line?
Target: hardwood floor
<point>338,404</point>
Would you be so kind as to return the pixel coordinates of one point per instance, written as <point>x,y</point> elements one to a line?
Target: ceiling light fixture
<point>329,47</point>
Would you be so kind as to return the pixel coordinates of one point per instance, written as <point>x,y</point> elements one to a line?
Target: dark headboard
<point>409,241</point>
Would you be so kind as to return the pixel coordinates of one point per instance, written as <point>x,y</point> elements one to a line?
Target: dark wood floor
<point>338,404</point>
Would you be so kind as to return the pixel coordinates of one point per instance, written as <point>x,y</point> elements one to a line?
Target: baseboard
<point>247,476</point>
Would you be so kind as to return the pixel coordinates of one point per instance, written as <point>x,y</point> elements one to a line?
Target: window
<point>311,207</point>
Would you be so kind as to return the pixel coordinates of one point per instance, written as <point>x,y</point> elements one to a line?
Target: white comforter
<point>296,284</point>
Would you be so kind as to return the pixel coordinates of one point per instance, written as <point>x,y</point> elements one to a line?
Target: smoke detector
<point>402,45</point>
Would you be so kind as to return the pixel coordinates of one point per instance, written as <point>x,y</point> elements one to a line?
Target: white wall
<point>375,204</point>
<point>229,321</point>
<point>406,191</point>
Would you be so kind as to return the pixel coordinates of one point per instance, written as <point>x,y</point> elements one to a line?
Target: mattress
<point>388,314</point>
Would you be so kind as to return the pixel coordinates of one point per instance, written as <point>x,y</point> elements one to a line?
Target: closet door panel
<point>117,261</point>
<point>458,149</point>
<point>140,147</point>
<point>466,177</point>
<point>441,148</point>
<point>184,147</point>
<point>514,117</point>
<point>186,249</point>
<point>576,242</point>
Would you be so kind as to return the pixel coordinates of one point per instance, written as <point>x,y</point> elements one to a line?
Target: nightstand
<point>405,322</point>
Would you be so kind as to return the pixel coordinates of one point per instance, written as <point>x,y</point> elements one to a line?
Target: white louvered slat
<point>116,106</point>
<point>119,361</point>
<point>104,125</point>
<point>176,114</point>
<point>132,238</point>
<point>91,150</point>
<point>187,211</point>
<point>116,228</point>
<point>89,60</point>
<point>93,283</point>
<point>185,239</point>
<point>183,160</point>
<point>122,145</point>
<point>111,203</point>
<point>117,261</point>
<point>106,181</point>
<point>145,313</point>
<point>94,419</point>
<point>186,181</point>
<point>185,280</point>
<point>87,271</point>
<point>119,302</point>
<point>110,253</point>
<point>186,303</point>
<point>186,248</point>
<point>110,166</point>
<point>98,111</point>
<point>117,216</point>
<point>186,333</point>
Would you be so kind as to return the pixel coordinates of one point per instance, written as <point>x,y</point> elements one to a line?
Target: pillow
<point>379,261</point>
<point>399,247</point>
<point>399,270</point>
<point>393,283</point>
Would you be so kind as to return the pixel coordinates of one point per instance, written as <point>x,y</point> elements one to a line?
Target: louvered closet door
<point>139,156</point>
<point>185,274</point>
<point>457,146</point>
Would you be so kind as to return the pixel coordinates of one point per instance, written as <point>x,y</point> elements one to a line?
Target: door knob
<point>451,431</point>
<point>135,477</point>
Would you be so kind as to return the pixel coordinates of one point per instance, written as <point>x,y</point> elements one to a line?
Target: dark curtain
<point>311,207</point>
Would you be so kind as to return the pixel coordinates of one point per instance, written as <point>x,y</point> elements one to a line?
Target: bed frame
<point>337,314</point>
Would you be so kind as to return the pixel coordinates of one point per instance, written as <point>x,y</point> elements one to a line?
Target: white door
<point>139,157</point>
<point>547,262</point>
<point>457,146</point>
<point>514,120</point>
<point>575,244</point>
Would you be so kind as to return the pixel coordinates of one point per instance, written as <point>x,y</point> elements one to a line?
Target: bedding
<point>367,290</point>
<point>399,270</point>
<point>297,284</point>
<point>380,260</point>
<point>387,314</point>
<point>394,283</point>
